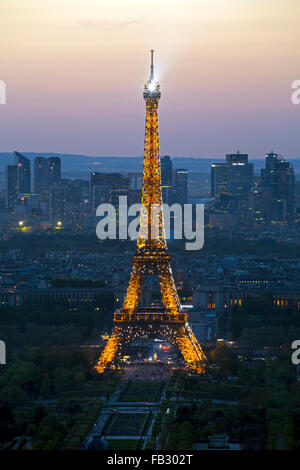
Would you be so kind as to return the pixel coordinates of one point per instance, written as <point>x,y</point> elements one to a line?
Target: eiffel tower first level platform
<point>169,322</point>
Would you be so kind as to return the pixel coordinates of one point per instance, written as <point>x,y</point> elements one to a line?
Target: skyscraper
<point>11,186</point>
<point>57,203</point>
<point>237,157</point>
<point>219,178</point>
<point>115,185</point>
<point>278,186</point>
<point>40,180</point>
<point>234,178</point>
<point>23,173</point>
<point>166,171</point>
<point>54,165</point>
<point>47,173</point>
<point>231,184</point>
<point>180,186</point>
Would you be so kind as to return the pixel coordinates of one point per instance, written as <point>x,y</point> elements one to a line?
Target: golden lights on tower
<point>152,257</point>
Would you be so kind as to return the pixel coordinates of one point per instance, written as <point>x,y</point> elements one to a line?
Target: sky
<point>74,72</point>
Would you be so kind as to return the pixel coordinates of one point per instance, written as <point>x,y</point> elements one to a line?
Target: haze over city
<point>75,72</point>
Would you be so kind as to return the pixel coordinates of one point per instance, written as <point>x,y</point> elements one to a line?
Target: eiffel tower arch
<point>134,322</point>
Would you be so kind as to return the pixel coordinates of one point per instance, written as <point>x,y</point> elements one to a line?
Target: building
<point>54,165</point>
<point>135,181</point>
<point>11,186</point>
<point>231,185</point>
<point>240,175</point>
<point>219,178</point>
<point>108,187</point>
<point>15,298</point>
<point>278,186</point>
<point>23,173</point>
<point>215,296</point>
<point>235,177</point>
<point>41,176</point>
<point>166,171</point>
<point>57,204</point>
<point>135,187</point>
<point>47,173</point>
<point>180,186</point>
<point>28,205</point>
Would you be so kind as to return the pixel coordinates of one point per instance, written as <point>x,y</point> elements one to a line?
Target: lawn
<point>142,391</point>
<point>127,424</point>
<point>123,444</point>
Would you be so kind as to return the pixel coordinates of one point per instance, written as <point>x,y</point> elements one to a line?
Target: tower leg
<point>109,352</point>
<point>134,291</point>
<point>190,349</point>
<point>168,290</point>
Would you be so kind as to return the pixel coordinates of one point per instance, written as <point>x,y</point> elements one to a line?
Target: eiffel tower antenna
<point>152,67</point>
<point>151,258</point>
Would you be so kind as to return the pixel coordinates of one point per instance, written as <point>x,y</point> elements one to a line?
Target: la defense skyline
<point>39,191</point>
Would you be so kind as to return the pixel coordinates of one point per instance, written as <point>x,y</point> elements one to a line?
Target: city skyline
<point>225,69</point>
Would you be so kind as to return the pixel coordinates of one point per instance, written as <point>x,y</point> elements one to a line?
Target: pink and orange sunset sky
<point>74,72</point>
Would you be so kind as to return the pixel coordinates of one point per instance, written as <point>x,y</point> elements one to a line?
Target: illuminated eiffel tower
<point>133,322</point>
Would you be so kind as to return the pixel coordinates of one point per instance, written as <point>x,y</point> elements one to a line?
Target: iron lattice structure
<point>170,322</point>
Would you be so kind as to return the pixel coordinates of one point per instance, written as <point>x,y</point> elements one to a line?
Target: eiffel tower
<point>134,322</point>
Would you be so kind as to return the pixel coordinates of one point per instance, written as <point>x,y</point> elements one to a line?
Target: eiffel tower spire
<point>152,258</point>
<point>152,67</point>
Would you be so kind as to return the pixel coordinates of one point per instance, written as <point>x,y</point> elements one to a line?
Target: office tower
<point>256,203</point>
<point>23,173</point>
<point>180,186</point>
<point>57,203</point>
<point>135,187</point>
<point>235,177</point>
<point>11,186</point>
<point>237,157</point>
<point>47,173</point>
<point>231,185</point>
<point>135,181</point>
<point>118,186</point>
<point>85,190</point>
<point>29,205</point>
<point>240,179</point>
<point>166,171</point>
<point>54,164</point>
<point>80,191</point>
<point>297,196</point>
<point>41,176</point>
<point>75,190</point>
<point>71,191</point>
<point>278,185</point>
<point>100,194</point>
<point>219,179</point>
<point>266,173</point>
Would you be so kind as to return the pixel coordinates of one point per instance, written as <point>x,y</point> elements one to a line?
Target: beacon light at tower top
<point>152,85</point>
